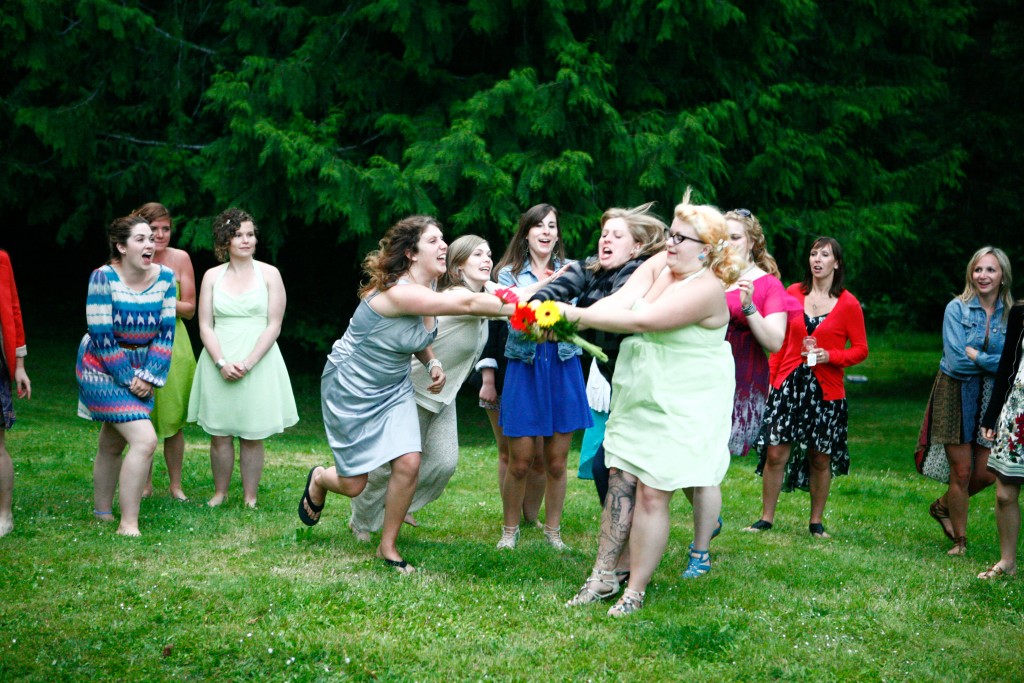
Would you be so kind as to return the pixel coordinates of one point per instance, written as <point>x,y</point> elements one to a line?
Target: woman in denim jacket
<point>544,394</point>
<point>973,331</point>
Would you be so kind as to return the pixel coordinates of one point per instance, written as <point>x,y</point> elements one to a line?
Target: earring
<point>701,256</point>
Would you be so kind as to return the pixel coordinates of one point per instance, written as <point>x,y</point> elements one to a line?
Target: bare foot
<point>361,536</point>
<point>179,495</point>
<point>148,491</point>
<point>103,516</point>
<point>128,530</point>
<point>217,500</point>
<point>6,526</point>
<point>410,520</point>
<point>399,565</point>
<point>251,504</point>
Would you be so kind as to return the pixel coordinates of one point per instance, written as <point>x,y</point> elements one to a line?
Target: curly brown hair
<point>225,225</point>
<point>386,264</point>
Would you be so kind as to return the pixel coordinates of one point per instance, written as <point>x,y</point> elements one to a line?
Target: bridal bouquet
<point>539,321</point>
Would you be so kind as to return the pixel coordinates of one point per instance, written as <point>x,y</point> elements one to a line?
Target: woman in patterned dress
<point>170,407</point>
<point>758,313</point>
<point>973,331</point>
<point>367,397</point>
<point>12,374</point>
<point>807,406</point>
<point>1006,460</point>
<point>125,355</point>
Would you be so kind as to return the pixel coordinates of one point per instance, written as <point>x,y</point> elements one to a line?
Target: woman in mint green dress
<point>170,402</point>
<point>241,387</point>
<point>671,411</point>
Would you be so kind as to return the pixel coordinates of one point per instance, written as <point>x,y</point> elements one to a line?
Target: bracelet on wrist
<point>749,309</point>
<point>434,363</point>
<point>246,366</point>
<point>221,363</point>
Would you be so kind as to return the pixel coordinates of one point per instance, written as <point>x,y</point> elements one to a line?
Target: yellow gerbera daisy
<point>548,314</point>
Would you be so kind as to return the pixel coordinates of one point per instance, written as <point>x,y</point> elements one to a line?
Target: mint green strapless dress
<point>671,410</point>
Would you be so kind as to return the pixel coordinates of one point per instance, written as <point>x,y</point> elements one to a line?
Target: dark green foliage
<point>887,125</point>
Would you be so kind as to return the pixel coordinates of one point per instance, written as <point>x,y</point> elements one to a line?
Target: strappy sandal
<point>995,572</point>
<point>587,594</point>
<point>699,565</point>
<point>631,601</point>
<point>959,547</point>
<point>759,525</point>
<point>940,513</point>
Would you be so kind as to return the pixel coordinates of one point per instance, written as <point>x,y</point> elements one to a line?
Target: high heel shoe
<point>631,601</point>
<point>554,537</point>
<point>509,538</point>
<point>587,594</point>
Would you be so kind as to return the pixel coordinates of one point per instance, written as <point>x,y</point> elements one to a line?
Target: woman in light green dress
<point>241,387</point>
<point>671,403</point>
<point>170,406</point>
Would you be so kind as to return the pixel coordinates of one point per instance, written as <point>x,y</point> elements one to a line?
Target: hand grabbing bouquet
<point>542,321</point>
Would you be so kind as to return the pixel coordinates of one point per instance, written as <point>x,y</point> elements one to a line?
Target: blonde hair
<point>710,225</point>
<point>647,229</point>
<point>458,253</point>
<point>759,255</point>
<point>970,291</point>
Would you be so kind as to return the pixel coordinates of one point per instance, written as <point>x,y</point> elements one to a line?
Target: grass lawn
<point>234,594</point>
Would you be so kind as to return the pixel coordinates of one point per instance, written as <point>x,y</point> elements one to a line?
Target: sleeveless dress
<point>261,403</point>
<point>458,343</point>
<point>769,297</point>
<point>170,407</point>
<point>671,407</point>
<point>130,335</point>
<point>366,391</point>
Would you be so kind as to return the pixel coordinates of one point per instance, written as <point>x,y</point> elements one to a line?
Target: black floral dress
<point>797,414</point>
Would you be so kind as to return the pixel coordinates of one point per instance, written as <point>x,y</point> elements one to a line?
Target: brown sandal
<point>959,546</point>
<point>940,513</point>
<point>995,572</point>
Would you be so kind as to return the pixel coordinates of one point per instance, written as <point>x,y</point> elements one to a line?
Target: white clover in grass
<point>270,650</point>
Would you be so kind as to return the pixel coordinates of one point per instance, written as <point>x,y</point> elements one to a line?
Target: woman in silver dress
<point>367,395</point>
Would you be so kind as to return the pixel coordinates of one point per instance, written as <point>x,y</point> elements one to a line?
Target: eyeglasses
<point>678,237</point>
<point>742,213</point>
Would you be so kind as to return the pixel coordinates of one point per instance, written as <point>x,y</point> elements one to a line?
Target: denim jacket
<point>517,347</point>
<point>963,325</point>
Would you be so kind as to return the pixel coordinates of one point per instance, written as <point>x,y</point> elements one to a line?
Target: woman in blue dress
<point>544,393</point>
<point>368,403</point>
<point>125,354</point>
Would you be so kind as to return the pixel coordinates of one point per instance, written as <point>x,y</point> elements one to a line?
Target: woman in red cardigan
<point>12,374</point>
<point>807,404</point>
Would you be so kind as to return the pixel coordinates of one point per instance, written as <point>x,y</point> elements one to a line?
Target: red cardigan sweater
<point>10,315</point>
<point>844,324</point>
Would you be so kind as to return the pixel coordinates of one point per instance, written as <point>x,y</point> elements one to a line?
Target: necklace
<point>691,276</point>
<point>817,303</point>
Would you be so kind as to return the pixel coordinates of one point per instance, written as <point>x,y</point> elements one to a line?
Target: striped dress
<point>130,335</point>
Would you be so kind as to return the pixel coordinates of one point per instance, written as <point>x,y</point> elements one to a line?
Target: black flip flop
<point>306,500</point>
